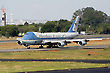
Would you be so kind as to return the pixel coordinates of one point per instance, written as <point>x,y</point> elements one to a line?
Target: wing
<point>83,42</point>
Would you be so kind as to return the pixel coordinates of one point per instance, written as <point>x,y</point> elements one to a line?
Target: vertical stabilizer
<point>74,26</point>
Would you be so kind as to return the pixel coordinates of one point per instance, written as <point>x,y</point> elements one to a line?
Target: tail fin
<point>74,26</point>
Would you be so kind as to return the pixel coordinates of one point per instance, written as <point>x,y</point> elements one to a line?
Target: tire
<point>28,48</point>
<point>40,46</point>
<point>49,46</point>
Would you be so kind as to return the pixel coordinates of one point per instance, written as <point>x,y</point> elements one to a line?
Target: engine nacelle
<point>82,43</point>
<point>61,44</point>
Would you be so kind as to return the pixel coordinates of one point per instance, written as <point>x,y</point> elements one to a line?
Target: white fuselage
<point>43,38</point>
<point>59,35</point>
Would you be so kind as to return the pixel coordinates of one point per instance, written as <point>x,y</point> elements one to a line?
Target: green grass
<point>6,67</point>
<point>96,54</point>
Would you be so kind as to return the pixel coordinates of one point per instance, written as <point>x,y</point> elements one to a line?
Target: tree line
<point>92,21</point>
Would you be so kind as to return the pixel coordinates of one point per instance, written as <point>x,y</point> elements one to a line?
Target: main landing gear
<point>27,46</point>
<point>53,46</point>
<point>41,46</point>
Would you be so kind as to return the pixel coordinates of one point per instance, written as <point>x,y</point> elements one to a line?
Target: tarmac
<point>48,49</point>
<point>58,60</point>
<point>89,70</point>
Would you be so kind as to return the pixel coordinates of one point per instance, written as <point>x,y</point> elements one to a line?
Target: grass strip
<point>6,67</point>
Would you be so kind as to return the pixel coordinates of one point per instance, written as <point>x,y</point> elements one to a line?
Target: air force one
<point>58,39</point>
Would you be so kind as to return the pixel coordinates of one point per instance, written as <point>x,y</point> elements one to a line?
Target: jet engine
<point>82,43</point>
<point>61,44</point>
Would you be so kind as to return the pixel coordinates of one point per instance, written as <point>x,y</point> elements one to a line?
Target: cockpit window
<point>27,34</point>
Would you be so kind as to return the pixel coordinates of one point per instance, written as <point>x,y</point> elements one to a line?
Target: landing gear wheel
<point>54,46</point>
<point>28,47</point>
<point>49,46</point>
<point>41,46</point>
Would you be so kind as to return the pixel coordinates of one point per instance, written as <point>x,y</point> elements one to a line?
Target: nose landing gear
<point>28,47</point>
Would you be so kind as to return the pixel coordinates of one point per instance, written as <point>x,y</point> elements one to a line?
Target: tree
<point>48,27</point>
<point>9,31</point>
<point>56,26</point>
<point>24,29</point>
<point>90,17</point>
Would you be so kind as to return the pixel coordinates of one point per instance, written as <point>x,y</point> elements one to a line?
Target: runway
<point>48,49</point>
<point>58,60</point>
<point>89,70</point>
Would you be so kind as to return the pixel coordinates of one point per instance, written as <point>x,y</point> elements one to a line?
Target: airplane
<point>53,39</point>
